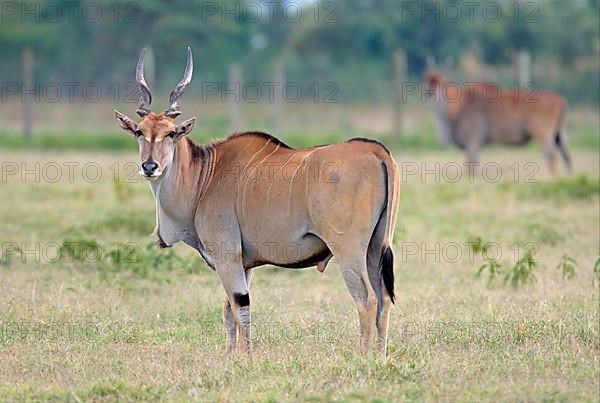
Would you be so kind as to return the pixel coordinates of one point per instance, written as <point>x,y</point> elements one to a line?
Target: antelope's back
<point>279,184</point>
<point>513,116</point>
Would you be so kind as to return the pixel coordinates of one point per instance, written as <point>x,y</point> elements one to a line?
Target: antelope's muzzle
<point>150,169</point>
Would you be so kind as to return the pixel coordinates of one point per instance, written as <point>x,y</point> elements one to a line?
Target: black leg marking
<point>241,299</point>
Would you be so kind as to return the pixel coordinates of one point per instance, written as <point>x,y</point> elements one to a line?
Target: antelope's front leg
<point>234,282</point>
<point>230,326</point>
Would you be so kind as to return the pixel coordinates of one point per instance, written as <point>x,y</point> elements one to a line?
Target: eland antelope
<point>251,200</point>
<point>483,113</point>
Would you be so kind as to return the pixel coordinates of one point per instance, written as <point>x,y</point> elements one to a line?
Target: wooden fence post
<point>399,77</point>
<point>234,100</point>
<point>523,66</point>
<point>278,106</point>
<point>27,66</point>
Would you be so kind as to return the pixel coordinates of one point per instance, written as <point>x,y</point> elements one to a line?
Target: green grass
<point>69,141</point>
<point>115,140</point>
<point>112,329</point>
<point>568,188</point>
<point>121,141</point>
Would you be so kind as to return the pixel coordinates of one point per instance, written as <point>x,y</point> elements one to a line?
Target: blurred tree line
<point>349,42</point>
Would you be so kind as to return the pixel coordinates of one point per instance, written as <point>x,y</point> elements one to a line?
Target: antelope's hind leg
<point>354,272</point>
<point>549,150</point>
<point>384,301</point>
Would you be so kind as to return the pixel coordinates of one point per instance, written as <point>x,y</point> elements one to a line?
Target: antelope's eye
<point>139,133</point>
<point>171,134</point>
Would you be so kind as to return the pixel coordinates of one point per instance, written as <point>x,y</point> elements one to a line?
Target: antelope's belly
<point>511,136</point>
<point>294,252</point>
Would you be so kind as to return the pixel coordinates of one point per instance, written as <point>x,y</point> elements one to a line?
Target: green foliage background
<point>350,42</point>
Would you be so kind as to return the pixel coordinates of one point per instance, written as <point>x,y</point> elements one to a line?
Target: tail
<point>386,263</point>
<point>387,271</point>
<point>560,138</point>
<point>561,143</point>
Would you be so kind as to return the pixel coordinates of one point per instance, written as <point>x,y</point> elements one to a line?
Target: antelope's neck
<point>184,184</point>
<point>194,165</point>
<point>440,105</point>
<point>443,116</point>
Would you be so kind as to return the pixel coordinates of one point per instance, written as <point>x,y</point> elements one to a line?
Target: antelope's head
<point>157,134</point>
<point>435,77</point>
<point>433,84</point>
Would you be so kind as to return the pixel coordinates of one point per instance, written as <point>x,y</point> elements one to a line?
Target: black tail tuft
<point>387,270</point>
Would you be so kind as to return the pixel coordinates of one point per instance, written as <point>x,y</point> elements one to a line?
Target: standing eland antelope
<point>251,200</point>
<point>484,113</point>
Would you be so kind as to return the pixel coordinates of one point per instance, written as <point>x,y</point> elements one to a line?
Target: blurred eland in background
<point>482,113</point>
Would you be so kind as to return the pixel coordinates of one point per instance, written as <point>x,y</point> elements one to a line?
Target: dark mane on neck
<point>200,150</point>
<point>196,150</point>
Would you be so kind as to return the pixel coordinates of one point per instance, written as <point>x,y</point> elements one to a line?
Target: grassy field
<point>127,321</point>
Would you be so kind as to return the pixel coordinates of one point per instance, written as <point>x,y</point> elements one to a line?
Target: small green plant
<point>477,245</point>
<point>118,257</point>
<point>128,257</point>
<point>80,249</point>
<point>522,271</point>
<point>567,266</point>
<point>493,268</point>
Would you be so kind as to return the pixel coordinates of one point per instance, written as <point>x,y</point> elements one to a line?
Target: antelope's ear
<point>448,62</point>
<point>185,127</point>
<point>126,123</point>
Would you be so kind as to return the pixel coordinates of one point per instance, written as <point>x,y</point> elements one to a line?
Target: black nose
<point>149,167</point>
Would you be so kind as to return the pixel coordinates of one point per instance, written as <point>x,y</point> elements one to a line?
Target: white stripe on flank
<point>238,200</point>
<point>254,156</point>
<point>273,178</point>
<point>294,177</point>
<point>257,166</point>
